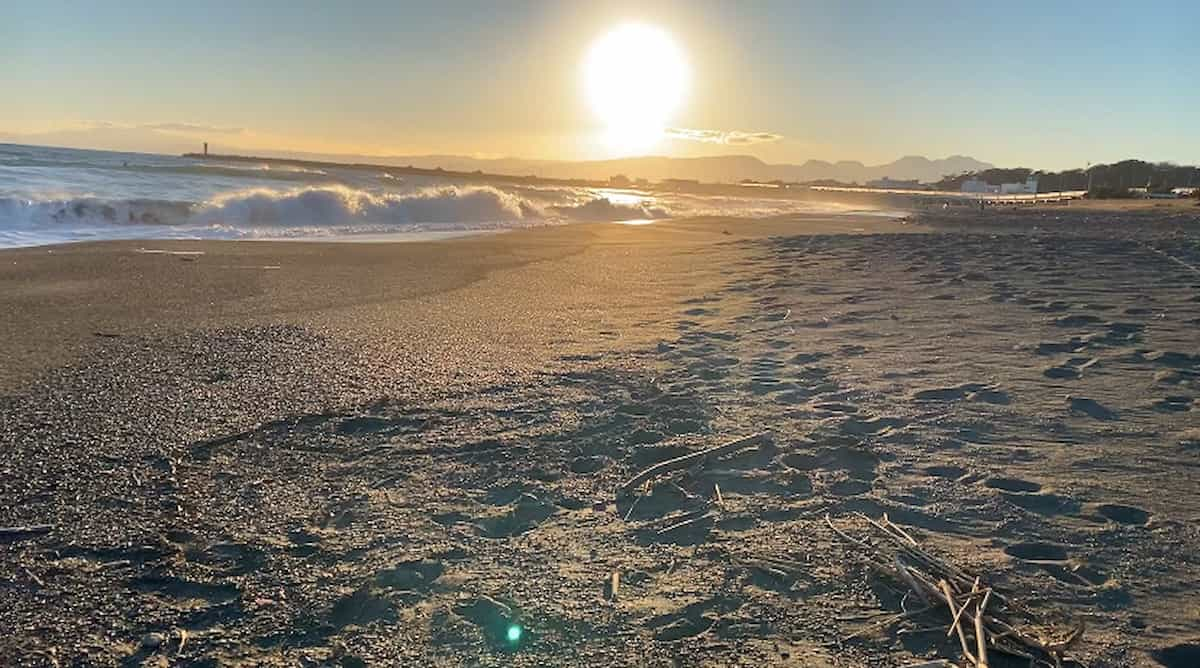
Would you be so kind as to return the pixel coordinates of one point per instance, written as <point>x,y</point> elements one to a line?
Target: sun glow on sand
<point>635,77</point>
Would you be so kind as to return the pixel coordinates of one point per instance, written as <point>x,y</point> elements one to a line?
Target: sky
<point>1046,85</point>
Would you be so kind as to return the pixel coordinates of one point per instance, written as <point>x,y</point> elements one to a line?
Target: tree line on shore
<point>1114,180</point>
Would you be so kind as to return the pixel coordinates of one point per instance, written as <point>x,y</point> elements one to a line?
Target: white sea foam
<point>603,208</point>
<point>338,205</point>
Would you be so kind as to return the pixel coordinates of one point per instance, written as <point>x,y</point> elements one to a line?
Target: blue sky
<point>1040,84</point>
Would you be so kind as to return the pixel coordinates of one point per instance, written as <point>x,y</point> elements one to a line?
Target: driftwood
<point>997,621</point>
<point>20,532</point>
<point>689,460</point>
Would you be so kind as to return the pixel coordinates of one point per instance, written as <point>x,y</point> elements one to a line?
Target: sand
<point>393,454</point>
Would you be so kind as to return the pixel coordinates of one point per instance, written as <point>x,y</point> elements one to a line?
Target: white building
<point>1030,187</point>
<point>978,186</point>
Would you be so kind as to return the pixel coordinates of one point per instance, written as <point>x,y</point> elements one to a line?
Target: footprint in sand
<point>971,391</point>
<point>521,515</point>
<point>1042,504</point>
<point>414,576</point>
<point>588,464</point>
<point>1123,514</point>
<point>228,558</point>
<point>1036,552</point>
<point>1184,655</point>
<point>692,620</point>
<point>1012,485</point>
<point>1173,359</point>
<point>1054,347</point>
<point>849,487</point>
<point>493,618</point>
<point>1062,372</point>
<point>1077,320</point>
<point>1090,408</point>
<point>952,472</point>
<point>1174,404</point>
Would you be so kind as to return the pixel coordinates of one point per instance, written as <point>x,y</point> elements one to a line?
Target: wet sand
<point>390,454</point>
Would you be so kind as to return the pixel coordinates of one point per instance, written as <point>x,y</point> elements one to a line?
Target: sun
<point>635,78</point>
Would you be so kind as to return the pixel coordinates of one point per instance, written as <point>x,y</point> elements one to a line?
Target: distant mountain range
<point>715,169</point>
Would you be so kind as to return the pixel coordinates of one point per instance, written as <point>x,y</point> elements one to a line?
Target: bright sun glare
<point>636,77</point>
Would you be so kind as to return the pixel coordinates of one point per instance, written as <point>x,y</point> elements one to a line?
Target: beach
<point>310,453</point>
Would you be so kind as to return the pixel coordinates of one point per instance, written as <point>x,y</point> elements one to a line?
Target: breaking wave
<point>339,205</point>
<point>308,211</point>
<point>604,209</point>
<point>329,205</point>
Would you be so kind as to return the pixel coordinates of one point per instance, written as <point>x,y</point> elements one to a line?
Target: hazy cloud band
<point>728,137</point>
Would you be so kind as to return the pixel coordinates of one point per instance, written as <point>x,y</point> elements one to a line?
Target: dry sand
<point>306,454</point>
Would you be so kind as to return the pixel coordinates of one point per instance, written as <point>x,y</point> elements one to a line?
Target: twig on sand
<point>689,460</point>
<point>1001,624</point>
<point>629,513</point>
<point>21,532</point>
<point>684,523</point>
<point>981,632</point>
<point>614,585</point>
<point>909,580</point>
<point>961,610</point>
<point>888,621</point>
<point>957,628</point>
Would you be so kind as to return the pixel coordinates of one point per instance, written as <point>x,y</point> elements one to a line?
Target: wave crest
<point>336,205</point>
<point>604,209</point>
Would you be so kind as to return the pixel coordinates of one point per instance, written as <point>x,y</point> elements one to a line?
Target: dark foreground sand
<point>312,454</point>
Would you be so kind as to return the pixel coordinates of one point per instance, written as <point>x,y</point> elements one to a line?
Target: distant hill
<point>715,169</point>
<point>1104,180</point>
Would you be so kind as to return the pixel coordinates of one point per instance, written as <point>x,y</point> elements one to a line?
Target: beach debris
<point>192,254</point>
<point>19,532</point>
<point>995,619</point>
<point>612,587</point>
<point>698,458</point>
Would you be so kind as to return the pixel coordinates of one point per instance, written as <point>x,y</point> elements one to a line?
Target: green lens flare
<point>514,633</point>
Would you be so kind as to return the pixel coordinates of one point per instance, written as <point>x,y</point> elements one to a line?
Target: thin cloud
<point>728,137</point>
<point>194,128</point>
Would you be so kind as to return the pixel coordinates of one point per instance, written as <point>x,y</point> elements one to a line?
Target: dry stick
<point>720,500</point>
<point>910,581</point>
<point>915,552</point>
<point>689,460</point>
<point>1015,638</point>
<point>980,633</point>
<point>629,513</point>
<point>892,525</point>
<point>869,558</point>
<point>884,623</point>
<point>684,523</point>
<point>958,615</point>
<point>32,529</point>
<point>962,638</point>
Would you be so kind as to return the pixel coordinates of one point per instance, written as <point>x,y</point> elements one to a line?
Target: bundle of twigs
<point>985,619</point>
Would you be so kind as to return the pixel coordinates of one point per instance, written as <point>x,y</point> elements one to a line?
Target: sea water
<point>57,195</point>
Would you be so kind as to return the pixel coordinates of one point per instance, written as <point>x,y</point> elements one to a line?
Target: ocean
<point>61,195</point>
